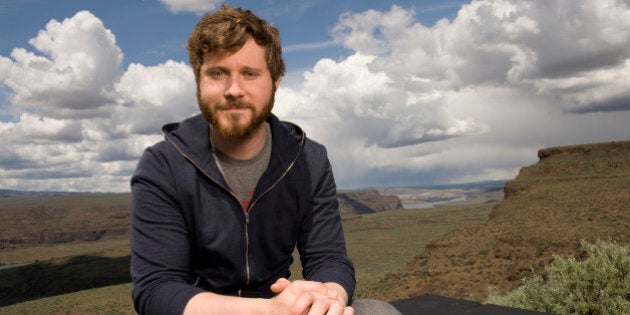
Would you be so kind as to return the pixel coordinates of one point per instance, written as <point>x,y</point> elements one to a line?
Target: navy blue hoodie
<point>190,234</point>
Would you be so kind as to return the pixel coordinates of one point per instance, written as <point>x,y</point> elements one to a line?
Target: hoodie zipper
<point>247,272</point>
<point>251,205</point>
<point>254,202</point>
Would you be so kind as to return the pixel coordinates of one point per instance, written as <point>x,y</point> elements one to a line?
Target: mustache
<point>234,105</point>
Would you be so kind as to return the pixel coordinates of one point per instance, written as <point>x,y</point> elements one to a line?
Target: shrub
<point>600,284</point>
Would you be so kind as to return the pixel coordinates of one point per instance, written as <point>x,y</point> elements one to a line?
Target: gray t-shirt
<point>243,175</point>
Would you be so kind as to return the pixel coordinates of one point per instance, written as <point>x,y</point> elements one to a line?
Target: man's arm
<point>299,297</point>
<point>208,303</point>
<point>321,242</point>
<point>159,239</point>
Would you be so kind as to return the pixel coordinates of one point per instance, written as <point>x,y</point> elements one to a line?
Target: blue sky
<point>150,33</point>
<point>402,93</point>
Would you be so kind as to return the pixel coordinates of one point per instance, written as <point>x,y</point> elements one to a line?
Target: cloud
<point>159,94</point>
<point>35,129</point>
<point>603,89</point>
<point>195,6</point>
<point>82,121</point>
<point>466,99</point>
<point>308,46</point>
<point>369,104</point>
<point>74,76</point>
<point>499,42</point>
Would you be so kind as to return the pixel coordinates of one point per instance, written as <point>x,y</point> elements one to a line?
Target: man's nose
<point>234,88</point>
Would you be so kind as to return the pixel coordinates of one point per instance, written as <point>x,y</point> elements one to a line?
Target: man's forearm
<point>210,303</point>
<point>301,292</point>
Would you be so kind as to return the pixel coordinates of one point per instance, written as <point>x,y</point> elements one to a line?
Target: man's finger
<point>280,285</point>
<point>322,305</point>
<point>303,303</point>
<point>336,308</point>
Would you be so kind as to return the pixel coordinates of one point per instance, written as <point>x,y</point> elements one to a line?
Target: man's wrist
<point>341,292</point>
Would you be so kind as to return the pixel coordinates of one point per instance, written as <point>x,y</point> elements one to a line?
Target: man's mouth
<point>229,107</point>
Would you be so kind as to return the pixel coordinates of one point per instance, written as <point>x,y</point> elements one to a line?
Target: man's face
<point>236,92</point>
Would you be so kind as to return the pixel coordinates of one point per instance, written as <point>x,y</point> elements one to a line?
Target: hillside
<point>572,193</point>
<point>31,219</point>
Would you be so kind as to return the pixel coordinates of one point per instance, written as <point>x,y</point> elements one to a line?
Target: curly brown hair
<point>226,30</point>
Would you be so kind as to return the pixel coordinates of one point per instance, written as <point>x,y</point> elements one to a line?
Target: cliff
<point>572,193</point>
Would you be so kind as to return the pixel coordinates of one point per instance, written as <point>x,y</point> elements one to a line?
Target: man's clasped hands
<point>310,298</point>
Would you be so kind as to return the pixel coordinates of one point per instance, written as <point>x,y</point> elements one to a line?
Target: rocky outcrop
<point>366,201</point>
<point>573,193</point>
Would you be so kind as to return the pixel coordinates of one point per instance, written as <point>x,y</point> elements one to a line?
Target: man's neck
<point>240,149</point>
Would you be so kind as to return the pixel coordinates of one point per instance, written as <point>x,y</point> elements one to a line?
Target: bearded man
<point>219,206</point>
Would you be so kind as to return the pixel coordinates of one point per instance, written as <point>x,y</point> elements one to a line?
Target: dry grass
<point>572,194</point>
<point>378,243</point>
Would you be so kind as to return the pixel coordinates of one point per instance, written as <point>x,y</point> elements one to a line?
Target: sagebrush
<point>599,284</point>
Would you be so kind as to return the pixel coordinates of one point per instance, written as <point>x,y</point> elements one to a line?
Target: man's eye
<point>250,75</point>
<point>217,74</point>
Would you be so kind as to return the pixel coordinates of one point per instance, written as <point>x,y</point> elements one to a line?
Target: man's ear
<point>277,83</point>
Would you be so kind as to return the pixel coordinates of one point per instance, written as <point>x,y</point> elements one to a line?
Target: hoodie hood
<point>191,138</point>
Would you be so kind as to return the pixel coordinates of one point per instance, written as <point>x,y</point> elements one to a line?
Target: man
<point>220,205</point>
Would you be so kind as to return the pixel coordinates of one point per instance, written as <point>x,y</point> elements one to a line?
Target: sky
<point>402,93</point>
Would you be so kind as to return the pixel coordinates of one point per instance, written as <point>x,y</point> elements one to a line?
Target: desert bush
<point>599,284</point>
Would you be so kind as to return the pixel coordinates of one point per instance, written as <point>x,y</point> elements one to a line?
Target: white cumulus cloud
<point>74,74</point>
<point>83,121</point>
<point>466,99</point>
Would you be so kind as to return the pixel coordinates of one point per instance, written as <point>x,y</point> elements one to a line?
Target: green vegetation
<point>600,284</point>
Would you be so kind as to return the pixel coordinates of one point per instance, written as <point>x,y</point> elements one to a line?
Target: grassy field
<point>378,244</point>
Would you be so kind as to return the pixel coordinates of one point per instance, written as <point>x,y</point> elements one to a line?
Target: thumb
<point>280,285</point>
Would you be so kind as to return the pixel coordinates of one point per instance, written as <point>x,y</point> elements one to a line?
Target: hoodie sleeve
<point>321,241</point>
<point>159,240</point>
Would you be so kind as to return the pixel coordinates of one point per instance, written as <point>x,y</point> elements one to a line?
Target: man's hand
<point>310,297</point>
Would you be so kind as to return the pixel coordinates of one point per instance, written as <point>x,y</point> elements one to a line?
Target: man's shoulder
<point>292,129</point>
<point>192,124</point>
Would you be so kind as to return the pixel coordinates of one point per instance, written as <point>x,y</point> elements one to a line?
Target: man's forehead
<point>250,54</point>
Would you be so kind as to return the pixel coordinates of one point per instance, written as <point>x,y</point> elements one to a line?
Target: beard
<point>231,125</point>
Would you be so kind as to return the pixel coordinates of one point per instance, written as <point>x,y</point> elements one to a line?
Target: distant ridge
<point>366,201</point>
<point>573,193</point>
<point>84,216</point>
<point>29,219</point>
<point>13,193</point>
<point>489,184</point>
